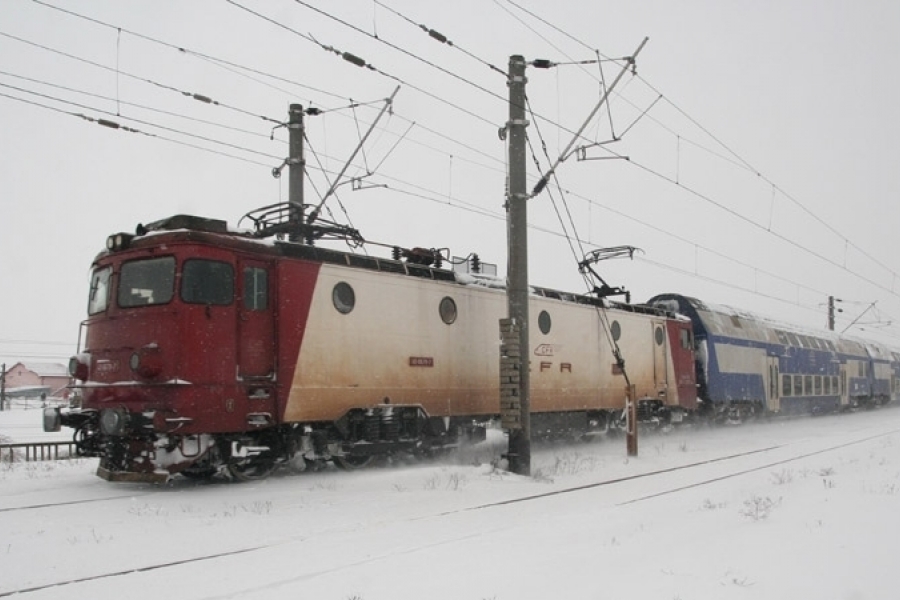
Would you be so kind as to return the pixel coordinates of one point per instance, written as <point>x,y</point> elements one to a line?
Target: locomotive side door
<point>256,323</point>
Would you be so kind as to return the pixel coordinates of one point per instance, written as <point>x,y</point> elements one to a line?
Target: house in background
<point>38,377</point>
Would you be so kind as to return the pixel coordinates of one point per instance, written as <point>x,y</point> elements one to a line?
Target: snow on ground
<point>806,508</point>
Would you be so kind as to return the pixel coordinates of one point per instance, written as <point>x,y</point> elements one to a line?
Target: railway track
<point>687,468</point>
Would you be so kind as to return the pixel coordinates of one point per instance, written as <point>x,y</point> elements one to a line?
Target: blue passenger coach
<point>749,365</point>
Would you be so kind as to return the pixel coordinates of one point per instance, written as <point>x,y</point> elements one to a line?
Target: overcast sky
<point>764,174</point>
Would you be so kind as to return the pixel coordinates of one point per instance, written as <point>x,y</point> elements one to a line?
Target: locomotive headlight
<point>118,241</point>
<point>146,362</point>
<point>78,366</point>
<point>113,421</point>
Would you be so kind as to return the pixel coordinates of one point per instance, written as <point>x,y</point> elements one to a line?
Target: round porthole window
<point>616,330</point>
<point>447,309</point>
<point>544,322</point>
<point>343,297</point>
<point>659,336</point>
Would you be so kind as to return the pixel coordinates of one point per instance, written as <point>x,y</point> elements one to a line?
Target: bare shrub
<point>710,505</point>
<point>570,463</point>
<point>783,476</point>
<point>758,508</point>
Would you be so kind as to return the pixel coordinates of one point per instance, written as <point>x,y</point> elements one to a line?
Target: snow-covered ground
<point>801,509</point>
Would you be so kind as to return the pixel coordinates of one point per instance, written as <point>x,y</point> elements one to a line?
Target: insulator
<point>438,261</point>
<point>475,264</point>
<point>395,253</point>
<point>438,36</point>
<point>359,62</point>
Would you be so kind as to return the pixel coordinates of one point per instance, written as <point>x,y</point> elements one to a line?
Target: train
<point>212,350</point>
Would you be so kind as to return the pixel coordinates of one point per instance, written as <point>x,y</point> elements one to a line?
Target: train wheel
<point>253,469</point>
<point>349,462</point>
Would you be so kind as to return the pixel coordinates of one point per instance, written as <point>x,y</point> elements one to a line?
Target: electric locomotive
<point>210,350</point>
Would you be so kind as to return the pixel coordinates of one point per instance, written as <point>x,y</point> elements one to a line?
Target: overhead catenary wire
<point>422,193</point>
<point>740,160</point>
<point>754,224</point>
<point>135,105</point>
<point>360,62</point>
<point>440,37</point>
<point>239,69</point>
<point>141,121</point>
<point>467,208</point>
<point>193,95</point>
<point>578,135</point>
<point>233,67</point>
<point>117,126</point>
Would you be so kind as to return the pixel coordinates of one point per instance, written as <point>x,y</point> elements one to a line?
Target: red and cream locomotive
<point>208,349</point>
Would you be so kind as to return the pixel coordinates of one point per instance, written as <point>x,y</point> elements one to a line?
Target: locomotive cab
<point>179,345</point>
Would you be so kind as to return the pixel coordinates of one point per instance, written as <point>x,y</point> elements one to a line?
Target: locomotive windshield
<point>207,282</point>
<point>146,282</point>
<point>98,298</point>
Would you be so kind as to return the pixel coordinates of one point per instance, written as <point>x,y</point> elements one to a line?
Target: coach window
<point>798,385</point>
<point>544,322</point>
<point>818,382</point>
<point>146,282</point>
<point>615,330</point>
<point>207,282</point>
<point>808,385</point>
<point>343,297</point>
<point>786,385</point>
<point>98,299</point>
<point>447,310</point>
<point>826,385</point>
<point>256,288</point>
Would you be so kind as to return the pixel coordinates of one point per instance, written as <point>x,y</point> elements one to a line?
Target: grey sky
<point>804,92</point>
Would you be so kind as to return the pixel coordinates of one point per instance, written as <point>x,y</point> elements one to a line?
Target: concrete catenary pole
<point>517,232</point>
<point>297,171</point>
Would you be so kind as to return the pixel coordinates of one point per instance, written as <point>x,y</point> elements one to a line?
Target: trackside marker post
<point>631,433</point>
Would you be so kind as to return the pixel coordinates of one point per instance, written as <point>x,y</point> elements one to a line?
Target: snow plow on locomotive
<point>208,349</point>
